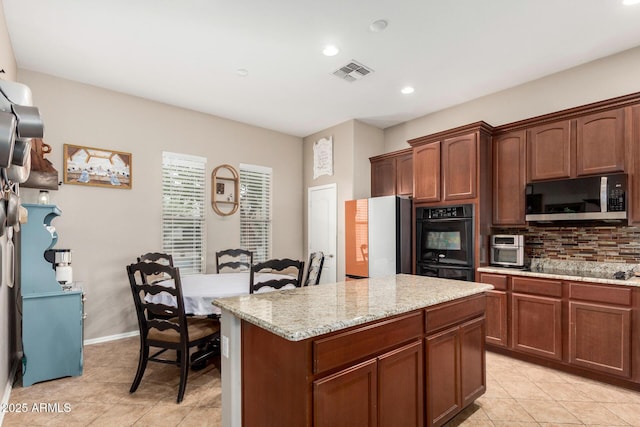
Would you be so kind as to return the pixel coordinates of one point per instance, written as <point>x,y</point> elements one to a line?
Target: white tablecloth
<point>199,290</point>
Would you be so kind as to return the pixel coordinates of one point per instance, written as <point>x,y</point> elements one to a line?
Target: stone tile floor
<point>518,394</point>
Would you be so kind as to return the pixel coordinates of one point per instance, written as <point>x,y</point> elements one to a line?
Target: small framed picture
<point>219,187</point>
<point>97,167</point>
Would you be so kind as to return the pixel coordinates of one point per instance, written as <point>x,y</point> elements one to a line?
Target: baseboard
<point>111,338</point>
<point>8,387</point>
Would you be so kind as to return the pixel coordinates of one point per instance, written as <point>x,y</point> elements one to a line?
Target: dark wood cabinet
<point>383,177</point>
<point>634,154</point>
<point>549,151</point>
<point>536,313</point>
<point>497,330</point>
<point>426,170</point>
<point>454,378</point>
<point>401,385</point>
<point>509,178</point>
<point>392,174</point>
<point>460,167</point>
<point>347,398</point>
<point>600,143</point>
<point>600,328</point>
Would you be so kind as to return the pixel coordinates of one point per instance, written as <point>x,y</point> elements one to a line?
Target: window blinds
<point>255,210</point>
<point>183,211</point>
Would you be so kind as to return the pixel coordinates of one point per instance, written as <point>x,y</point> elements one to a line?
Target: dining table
<point>200,290</point>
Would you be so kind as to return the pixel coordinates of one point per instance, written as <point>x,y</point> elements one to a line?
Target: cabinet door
<point>426,168</point>
<point>549,151</point>
<point>383,177</point>
<point>400,387</point>
<point>404,175</point>
<point>509,175</point>
<point>472,364</point>
<point>496,315</point>
<point>634,178</point>
<point>459,167</point>
<point>600,143</point>
<point>443,376</point>
<point>600,337</point>
<point>347,398</point>
<point>537,327</point>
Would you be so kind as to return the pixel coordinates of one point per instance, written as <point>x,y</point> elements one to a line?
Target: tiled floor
<point>518,394</point>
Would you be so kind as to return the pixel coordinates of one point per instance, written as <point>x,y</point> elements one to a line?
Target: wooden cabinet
<point>600,143</point>
<point>446,170</point>
<point>509,178</point>
<point>426,169</point>
<point>634,181</point>
<point>460,167</point>
<point>600,328</point>
<point>497,322</point>
<point>549,151</point>
<point>453,380</point>
<point>536,312</point>
<point>369,375</point>
<point>392,174</point>
<point>592,144</point>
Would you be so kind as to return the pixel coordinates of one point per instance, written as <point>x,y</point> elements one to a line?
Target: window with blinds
<point>255,210</point>
<point>183,211</point>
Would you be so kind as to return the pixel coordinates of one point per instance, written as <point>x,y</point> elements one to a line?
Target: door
<point>322,228</point>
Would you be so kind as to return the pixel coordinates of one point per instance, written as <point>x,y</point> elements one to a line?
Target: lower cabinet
<point>537,325</point>
<point>455,373</point>
<point>385,391</point>
<point>580,326</point>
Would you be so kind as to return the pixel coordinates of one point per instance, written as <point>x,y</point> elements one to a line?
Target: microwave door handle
<point>603,194</point>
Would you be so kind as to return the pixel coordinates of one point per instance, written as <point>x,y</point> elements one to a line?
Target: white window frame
<point>184,233</point>
<point>252,219</point>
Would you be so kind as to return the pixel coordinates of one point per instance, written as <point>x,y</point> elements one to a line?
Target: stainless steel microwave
<point>507,250</point>
<point>599,198</point>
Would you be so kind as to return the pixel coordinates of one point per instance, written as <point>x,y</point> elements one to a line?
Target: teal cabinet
<point>52,327</point>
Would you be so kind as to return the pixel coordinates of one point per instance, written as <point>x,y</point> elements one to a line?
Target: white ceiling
<point>186,52</point>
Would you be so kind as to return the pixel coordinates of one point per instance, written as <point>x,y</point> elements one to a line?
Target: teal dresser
<point>51,318</point>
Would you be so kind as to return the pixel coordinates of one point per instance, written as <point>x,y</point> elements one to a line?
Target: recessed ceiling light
<point>407,90</point>
<point>242,72</point>
<point>378,25</point>
<point>330,50</point>
<point>630,2</point>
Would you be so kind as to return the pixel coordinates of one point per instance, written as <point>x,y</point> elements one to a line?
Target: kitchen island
<point>398,350</point>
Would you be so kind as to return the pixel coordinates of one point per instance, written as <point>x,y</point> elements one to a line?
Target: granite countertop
<point>578,271</point>
<point>310,311</point>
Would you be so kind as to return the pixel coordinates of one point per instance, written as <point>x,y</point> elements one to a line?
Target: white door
<point>322,227</point>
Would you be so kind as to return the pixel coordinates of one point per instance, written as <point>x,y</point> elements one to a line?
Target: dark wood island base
<point>414,369</point>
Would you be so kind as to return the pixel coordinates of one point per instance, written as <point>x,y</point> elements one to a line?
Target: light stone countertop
<point>307,312</point>
<point>633,281</point>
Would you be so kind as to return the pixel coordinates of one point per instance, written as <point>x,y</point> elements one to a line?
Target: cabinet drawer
<point>600,293</point>
<point>368,340</point>
<point>551,288</point>
<point>451,313</point>
<point>499,281</point>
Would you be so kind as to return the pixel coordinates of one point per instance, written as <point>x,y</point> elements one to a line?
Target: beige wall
<point>605,78</point>
<point>368,142</point>
<point>107,228</point>
<point>7,59</point>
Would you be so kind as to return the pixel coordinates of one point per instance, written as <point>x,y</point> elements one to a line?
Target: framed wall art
<point>97,166</point>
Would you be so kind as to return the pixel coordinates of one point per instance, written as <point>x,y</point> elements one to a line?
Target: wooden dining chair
<point>314,269</point>
<point>166,326</point>
<point>291,271</point>
<point>233,260</point>
<point>160,258</point>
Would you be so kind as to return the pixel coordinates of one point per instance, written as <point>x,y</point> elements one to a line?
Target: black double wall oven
<point>444,242</point>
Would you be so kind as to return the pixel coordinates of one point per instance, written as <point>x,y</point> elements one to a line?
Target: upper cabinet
<point>588,145</point>
<point>549,151</point>
<point>447,166</point>
<point>509,178</point>
<point>600,143</point>
<point>392,174</point>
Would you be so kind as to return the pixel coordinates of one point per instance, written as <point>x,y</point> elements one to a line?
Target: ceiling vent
<point>352,71</point>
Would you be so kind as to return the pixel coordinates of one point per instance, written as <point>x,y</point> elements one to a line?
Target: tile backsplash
<point>580,243</point>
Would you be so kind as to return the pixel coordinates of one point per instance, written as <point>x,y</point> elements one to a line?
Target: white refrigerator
<point>377,236</point>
